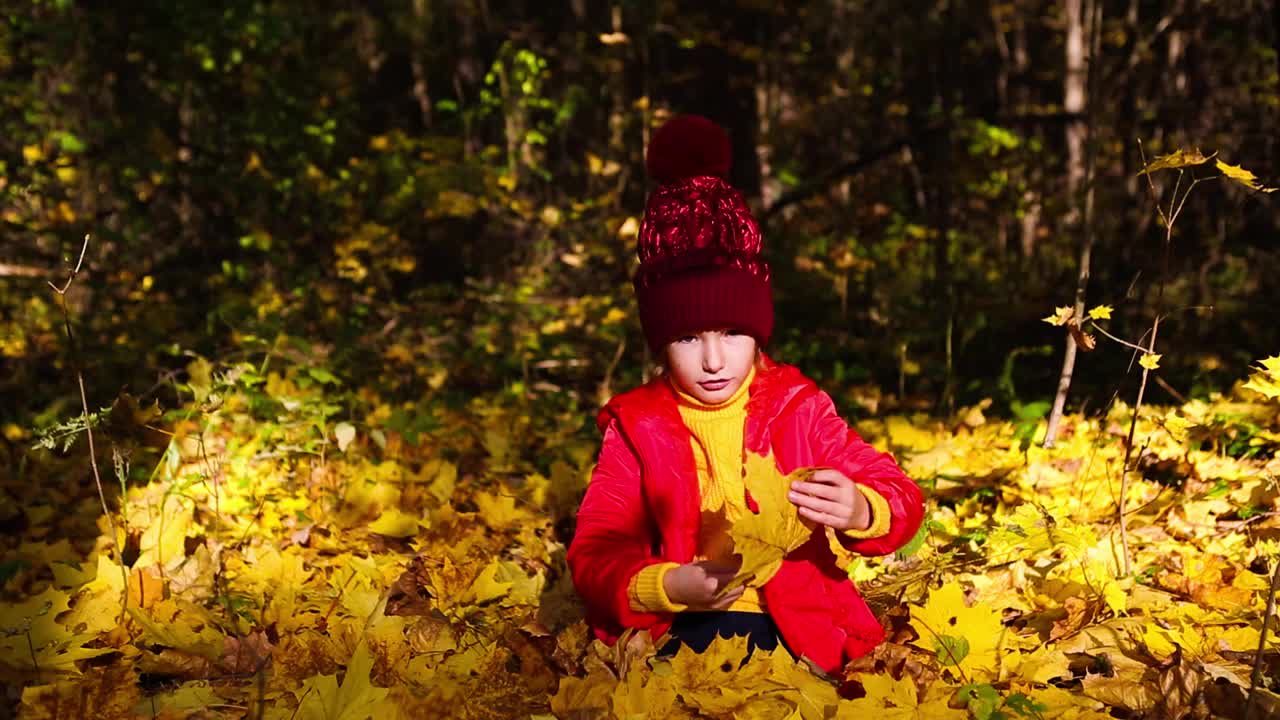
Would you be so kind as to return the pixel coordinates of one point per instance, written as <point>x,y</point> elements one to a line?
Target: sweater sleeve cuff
<point>880,515</point>
<point>648,593</point>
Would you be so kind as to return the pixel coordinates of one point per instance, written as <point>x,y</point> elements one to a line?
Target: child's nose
<point>712,355</point>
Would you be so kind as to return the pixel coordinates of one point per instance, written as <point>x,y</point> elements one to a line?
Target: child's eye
<point>687,339</point>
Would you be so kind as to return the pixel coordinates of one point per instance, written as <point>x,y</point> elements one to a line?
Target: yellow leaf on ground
<point>812,695</point>
<point>106,693</point>
<point>146,587</point>
<point>195,695</point>
<point>966,638</point>
<point>890,699</point>
<point>1042,665</point>
<point>712,682</point>
<point>396,523</point>
<point>1134,693</point>
<point>182,626</point>
<point>486,586</point>
<point>30,629</point>
<point>499,511</point>
<point>579,697</point>
<point>322,697</point>
<point>643,698</point>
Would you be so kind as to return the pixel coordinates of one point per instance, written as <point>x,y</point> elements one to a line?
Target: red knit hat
<point>699,246</point>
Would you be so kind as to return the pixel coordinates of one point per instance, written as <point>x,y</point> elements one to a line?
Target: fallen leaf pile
<point>408,562</point>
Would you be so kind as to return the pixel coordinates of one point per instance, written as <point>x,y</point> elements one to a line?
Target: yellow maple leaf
<point>499,511</point>
<point>1042,665</point>
<point>1242,176</point>
<point>1150,360</point>
<point>1175,160</point>
<point>1101,312</point>
<point>812,696</point>
<point>890,699</point>
<point>182,626</point>
<point>581,696</point>
<point>1265,379</point>
<point>642,696</point>
<point>191,696</point>
<point>29,629</point>
<point>486,586</point>
<point>1029,531</point>
<point>1061,315</point>
<point>322,697</point>
<point>397,523</point>
<point>712,682</point>
<point>966,638</point>
<point>764,538</point>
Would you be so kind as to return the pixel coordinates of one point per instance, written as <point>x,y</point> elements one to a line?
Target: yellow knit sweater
<point>718,449</point>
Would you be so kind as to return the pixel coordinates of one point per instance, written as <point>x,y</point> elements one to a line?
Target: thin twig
<point>88,427</point>
<point>1170,389</point>
<point>1150,349</point>
<point>1125,343</point>
<point>1256,678</point>
<point>32,649</point>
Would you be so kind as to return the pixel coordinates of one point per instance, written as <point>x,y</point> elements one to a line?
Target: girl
<point>651,549</point>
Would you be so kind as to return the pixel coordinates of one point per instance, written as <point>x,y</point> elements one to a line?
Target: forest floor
<point>277,563</point>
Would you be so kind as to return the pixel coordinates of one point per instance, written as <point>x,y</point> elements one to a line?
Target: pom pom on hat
<point>688,146</point>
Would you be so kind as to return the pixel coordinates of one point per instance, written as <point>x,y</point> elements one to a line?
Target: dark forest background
<point>439,197</point>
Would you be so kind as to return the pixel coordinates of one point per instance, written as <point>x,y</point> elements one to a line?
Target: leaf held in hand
<point>764,538</point>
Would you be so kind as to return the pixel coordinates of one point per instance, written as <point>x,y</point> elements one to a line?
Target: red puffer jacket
<point>643,507</point>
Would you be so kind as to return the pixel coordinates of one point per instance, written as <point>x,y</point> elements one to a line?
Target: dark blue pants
<point>698,629</point>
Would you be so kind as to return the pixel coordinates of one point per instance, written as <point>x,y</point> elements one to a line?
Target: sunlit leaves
<point>388,581</point>
<point>1150,361</point>
<point>1183,158</point>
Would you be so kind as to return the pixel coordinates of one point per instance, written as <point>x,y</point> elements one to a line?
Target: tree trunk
<point>421,31</point>
<point>1275,45</point>
<point>1079,86</point>
<point>1029,226</point>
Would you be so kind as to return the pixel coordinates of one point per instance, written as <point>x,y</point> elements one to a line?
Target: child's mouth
<point>713,385</point>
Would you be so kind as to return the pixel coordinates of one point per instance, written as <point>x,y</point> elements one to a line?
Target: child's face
<point>711,365</point>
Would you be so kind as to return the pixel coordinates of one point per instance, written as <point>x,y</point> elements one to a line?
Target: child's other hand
<point>697,585</point>
<point>830,498</point>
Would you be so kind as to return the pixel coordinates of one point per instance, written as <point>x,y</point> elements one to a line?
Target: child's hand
<point>832,499</point>
<point>697,584</point>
